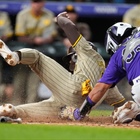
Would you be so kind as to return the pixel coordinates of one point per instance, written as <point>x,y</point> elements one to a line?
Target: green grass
<point>67,132</point>
<point>97,113</point>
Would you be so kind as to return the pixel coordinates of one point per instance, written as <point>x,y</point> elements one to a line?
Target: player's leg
<point>126,113</point>
<point>65,87</point>
<point>136,90</point>
<point>130,110</point>
<point>114,97</point>
<point>38,111</point>
<point>62,83</point>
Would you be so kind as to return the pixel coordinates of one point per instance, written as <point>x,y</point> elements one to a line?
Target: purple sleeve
<point>114,72</point>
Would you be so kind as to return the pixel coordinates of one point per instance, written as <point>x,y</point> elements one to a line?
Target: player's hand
<point>63,14</point>
<point>38,40</point>
<point>70,113</point>
<point>7,110</point>
<point>126,113</point>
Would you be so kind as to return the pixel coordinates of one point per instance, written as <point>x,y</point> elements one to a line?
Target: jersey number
<point>132,54</point>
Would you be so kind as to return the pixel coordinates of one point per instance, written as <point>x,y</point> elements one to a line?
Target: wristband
<point>86,106</point>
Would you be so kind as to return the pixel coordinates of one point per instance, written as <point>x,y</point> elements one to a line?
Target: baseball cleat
<point>10,57</point>
<point>7,110</point>
<point>4,50</point>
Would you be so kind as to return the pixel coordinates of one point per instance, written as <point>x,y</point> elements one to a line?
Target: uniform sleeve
<point>112,74</point>
<point>20,25</point>
<point>8,27</point>
<point>82,47</point>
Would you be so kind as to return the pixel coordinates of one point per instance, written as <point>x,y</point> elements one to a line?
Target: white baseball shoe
<point>8,110</point>
<point>10,57</point>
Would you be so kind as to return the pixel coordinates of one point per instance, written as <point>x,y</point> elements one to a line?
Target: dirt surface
<point>92,121</point>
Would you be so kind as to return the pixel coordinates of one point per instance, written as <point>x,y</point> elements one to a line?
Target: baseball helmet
<point>115,36</point>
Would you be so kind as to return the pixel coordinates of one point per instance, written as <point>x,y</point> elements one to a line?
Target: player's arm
<point>107,80</point>
<point>97,93</point>
<point>68,26</point>
<point>92,99</point>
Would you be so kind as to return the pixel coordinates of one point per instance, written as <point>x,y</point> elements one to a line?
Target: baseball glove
<point>126,113</point>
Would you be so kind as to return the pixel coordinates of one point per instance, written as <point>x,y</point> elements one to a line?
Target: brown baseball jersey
<point>67,88</point>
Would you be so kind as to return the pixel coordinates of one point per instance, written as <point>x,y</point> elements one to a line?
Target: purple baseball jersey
<point>115,72</point>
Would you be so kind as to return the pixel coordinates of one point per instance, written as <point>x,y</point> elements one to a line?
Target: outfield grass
<point>67,132</point>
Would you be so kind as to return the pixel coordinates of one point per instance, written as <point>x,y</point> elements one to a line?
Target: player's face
<point>37,6</point>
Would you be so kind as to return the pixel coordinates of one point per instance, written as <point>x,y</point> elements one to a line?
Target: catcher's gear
<point>7,110</point>
<point>115,35</point>
<point>70,113</point>
<point>126,113</point>
<point>4,119</point>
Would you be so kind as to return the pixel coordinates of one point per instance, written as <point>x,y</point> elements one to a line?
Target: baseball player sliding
<point>67,88</point>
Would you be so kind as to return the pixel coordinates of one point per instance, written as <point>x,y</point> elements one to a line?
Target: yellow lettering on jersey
<point>47,22</point>
<point>1,22</point>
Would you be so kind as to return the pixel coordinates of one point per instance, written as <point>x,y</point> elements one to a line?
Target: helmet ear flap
<point>110,44</point>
